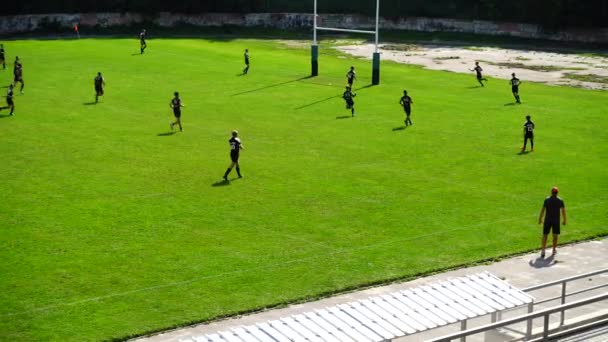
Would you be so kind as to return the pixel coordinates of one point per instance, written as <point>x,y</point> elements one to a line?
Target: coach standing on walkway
<point>551,209</point>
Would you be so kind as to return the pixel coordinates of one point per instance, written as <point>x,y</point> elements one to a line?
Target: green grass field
<point>111,227</point>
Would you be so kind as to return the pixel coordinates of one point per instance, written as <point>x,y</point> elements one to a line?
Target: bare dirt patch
<point>578,70</point>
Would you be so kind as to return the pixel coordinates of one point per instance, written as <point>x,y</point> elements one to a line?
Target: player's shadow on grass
<point>344,117</point>
<point>510,104</point>
<point>543,262</point>
<point>271,85</point>
<point>166,134</point>
<point>400,128</point>
<point>221,183</point>
<point>330,97</point>
<point>136,54</point>
<point>4,87</point>
<point>89,103</point>
<point>521,153</point>
<point>474,87</point>
<point>2,116</point>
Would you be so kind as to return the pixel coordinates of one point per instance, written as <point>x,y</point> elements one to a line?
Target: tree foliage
<point>548,13</point>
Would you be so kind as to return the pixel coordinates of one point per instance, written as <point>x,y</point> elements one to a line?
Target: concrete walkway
<point>521,272</point>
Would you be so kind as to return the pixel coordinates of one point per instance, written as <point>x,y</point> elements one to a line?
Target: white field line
<point>267,266</point>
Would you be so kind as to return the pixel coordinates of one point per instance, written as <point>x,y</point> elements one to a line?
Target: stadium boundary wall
<point>10,25</point>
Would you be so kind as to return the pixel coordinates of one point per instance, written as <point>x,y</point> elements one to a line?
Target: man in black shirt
<point>406,102</point>
<point>551,209</point>
<point>351,76</point>
<point>9,100</point>
<point>235,149</point>
<point>348,96</point>
<point>99,83</point>
<point>478,71</point>
<point>246,56</point>
<point>18,73</point>
<point>2,56</point>
<point>528,134</point>
<point>142,41</point>
<point>176,104</point>
<point>515,82</point>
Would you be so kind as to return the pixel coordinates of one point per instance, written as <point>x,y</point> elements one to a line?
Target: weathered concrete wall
<point>27,23</point>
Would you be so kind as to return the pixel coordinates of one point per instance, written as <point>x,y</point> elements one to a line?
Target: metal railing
<point>563,282</point>
<point>545,313</point>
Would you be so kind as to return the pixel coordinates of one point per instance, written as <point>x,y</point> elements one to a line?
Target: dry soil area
<point>571,69</point>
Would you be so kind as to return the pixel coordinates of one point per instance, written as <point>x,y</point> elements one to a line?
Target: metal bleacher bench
<point>386,317</point>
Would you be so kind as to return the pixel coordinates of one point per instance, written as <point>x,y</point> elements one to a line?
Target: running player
<point>348,96</point>
<point>9,100</point>
<point>515,82</point>
<point>142,41</point>
<point>2,56</point>
<point>246,56</point>
<point>18,74</point>
<point>351,76</point>
<point>99,83</point>
<point>406,102</point>
<point>528,134</point>
<point>478,71</point>
<point>176,104</point>
<point>235,149</point>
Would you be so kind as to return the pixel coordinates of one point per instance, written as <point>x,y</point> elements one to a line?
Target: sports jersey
<point>478,70</point>
<point>406,101</point>
<point>351,76</point>
<point>142,36</point>
<point>515,82</point>
<point>553,204</point>
<point>2,53</point>
<point>9,94</point>
<point>176,103</point>
<point>235,145</point>
<point>98,81</point>
<point>529,127</point>
<point>348,95</point>
<point>246,55</point>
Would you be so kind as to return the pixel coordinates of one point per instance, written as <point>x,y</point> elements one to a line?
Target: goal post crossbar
<point>320,28</point>
<point>314,51</point>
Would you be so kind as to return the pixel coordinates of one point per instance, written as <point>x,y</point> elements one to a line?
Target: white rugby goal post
<point>314,52</point>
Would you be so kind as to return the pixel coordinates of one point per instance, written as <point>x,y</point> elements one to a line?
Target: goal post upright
<point>314,50</point>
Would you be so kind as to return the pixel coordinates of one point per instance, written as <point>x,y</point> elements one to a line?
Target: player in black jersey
<point>2,56</point>
<point>176,104</point>
<point>351,76</point>
<point>18,74</point>
<point>142,41</point>
<point>528,134</point>
<point>551,210</point>
<point>478,71</point>
<point>246,56</point>
<point>99,83</point>
<point>406,102</point>
<point>515,82</point>
<point>235,149</point>
<point>348,96</point>
<point>9,100</point>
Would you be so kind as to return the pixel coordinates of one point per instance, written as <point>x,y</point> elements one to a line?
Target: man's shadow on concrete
<point>543,262</point>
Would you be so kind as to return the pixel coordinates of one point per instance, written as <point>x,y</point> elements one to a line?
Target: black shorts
<point>529,135</point>
<point>407,110</point>
<point>99,90</point>
<point>177,112</point>
<point>18,79</point>
<point>234,156</point>
<point>142,42</point>
<point>551,227</point>
<point>515,89</point>
<point>350,81</point>
<point>9,101</point>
